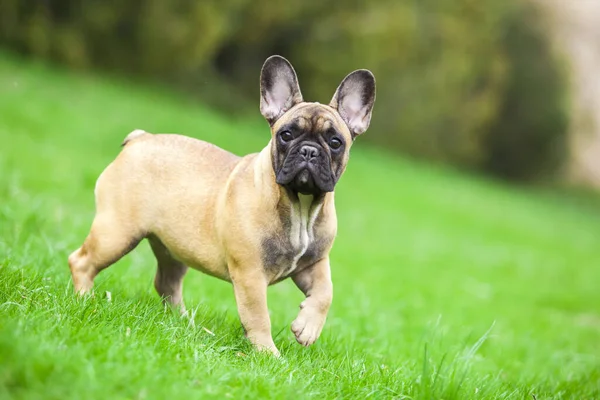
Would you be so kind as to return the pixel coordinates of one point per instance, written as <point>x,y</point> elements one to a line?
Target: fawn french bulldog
<point>252,220</point>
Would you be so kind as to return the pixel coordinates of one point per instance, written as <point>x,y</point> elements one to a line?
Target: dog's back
<point>158,185</point>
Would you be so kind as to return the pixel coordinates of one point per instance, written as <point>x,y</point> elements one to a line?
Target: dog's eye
<point>286,136</point>
<point>335,143</point>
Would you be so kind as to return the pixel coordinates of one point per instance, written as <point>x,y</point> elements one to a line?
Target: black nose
<point>309,152</point>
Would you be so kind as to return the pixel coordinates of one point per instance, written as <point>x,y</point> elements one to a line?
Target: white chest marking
<point>302,221</point>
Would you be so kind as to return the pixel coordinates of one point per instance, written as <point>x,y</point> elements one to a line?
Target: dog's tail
<point>134,135</point>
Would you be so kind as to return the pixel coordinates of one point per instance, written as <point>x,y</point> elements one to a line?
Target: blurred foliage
<point>467,82</point>
<point>528,137</point>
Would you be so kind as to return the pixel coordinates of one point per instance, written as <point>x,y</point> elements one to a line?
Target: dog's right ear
<point>354,100</point>
<point>279,90</point>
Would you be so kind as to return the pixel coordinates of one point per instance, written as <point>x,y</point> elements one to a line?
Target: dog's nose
<point>309,152</point>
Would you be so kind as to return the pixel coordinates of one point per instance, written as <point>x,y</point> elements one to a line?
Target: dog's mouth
<point>306,169</point>
<point>304,180</point>
<point>304,183</point>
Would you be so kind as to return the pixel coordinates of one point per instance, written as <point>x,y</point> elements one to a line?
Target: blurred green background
<point>470,83</point>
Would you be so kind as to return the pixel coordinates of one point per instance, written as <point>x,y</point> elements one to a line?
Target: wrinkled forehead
<point>313,117</point>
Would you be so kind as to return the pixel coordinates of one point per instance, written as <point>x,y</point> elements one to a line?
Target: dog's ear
<point>354,100</point>
<point>279,90</point>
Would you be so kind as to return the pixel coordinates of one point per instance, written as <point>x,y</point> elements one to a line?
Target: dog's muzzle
<point>308,172</point>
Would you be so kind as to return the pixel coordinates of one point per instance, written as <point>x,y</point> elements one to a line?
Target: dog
<point>252,221</point>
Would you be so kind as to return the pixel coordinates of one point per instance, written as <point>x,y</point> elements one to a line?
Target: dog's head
<point>311,142</point>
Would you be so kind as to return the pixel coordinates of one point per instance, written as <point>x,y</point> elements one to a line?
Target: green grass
<point>446,286</point>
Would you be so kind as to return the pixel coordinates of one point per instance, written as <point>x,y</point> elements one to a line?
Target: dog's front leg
<point>315,283</point>
<point>250,289</point>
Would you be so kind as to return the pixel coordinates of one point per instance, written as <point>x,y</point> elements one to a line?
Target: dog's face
<point>310,142</point>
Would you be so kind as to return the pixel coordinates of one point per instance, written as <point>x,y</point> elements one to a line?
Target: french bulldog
<point>252,221</point>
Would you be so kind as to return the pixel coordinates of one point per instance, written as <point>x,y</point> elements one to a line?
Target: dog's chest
<point>298,244</point>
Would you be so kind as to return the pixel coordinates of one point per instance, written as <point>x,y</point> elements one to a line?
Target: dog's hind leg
<point>108,241</point>
<point>169,275</point>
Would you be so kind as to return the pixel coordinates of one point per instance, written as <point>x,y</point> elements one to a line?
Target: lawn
<point>445,285</point>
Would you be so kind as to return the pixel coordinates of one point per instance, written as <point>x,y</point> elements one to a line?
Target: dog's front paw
<point>308,325</point>
<point>262,342</point>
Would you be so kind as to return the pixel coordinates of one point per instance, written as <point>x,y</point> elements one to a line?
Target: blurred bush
<point>467,82</point>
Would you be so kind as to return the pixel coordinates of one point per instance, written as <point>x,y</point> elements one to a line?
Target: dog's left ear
<point>354,100</point>
<point>279,90</point>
